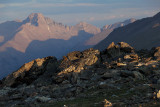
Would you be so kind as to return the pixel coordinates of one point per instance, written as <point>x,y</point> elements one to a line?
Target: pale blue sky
<point>71,12</point>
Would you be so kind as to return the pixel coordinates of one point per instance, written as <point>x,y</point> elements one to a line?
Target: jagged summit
<point>157,15</point>
<point>36,15</point>
<point>39,19</point>
<point>106,30</point>
<point>87,27</point>
<point>82,24</point>
<point>36,19</point>
<point>119,24</point>
<point>129,21</point>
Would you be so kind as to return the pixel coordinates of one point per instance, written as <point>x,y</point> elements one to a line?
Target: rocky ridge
<point>38,27</point>
<point>119,74</point>
<point>106,30</point>
<point>138,34</point>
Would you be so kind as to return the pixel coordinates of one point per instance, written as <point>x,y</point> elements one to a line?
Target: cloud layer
<point>71,12</point>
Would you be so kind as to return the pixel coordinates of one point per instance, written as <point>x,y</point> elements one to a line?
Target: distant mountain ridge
<point>38,27</point>
<point>106,30</point>
<point>38,36</point>
<point>142,34</point>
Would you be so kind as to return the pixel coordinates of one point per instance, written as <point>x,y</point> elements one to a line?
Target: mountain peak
<point>87,28</point>
<point>131,20</point>
<point>82,24</point>
<point>119,24</point>
<point>157,15</point>
<point>35,19</point>
<point>35,15</point>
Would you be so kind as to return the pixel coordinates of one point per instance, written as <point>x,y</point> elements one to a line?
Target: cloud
<point>34,0</point>
<point>2,5</point>
<point>78,17</point>
<point>14,4</point>
<point>73,11</point>
<point>103,18</point>
<point>39,5</point>
<point>33,4</point>
<point>91,18</point>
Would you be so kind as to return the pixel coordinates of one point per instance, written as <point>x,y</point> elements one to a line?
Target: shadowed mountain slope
<point>142,34</point>
<point>106,30</point>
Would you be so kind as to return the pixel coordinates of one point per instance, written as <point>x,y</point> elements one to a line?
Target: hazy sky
<point>70,12</point>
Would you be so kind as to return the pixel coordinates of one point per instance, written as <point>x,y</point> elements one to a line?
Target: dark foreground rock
<point>31,71</point>
<point>157,53</point>
<point>117,76</point>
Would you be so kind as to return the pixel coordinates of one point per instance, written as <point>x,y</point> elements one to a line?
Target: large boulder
<point>29,72</point>
<point>122,48</point>
<point>113,50</point>
<point>74,55</point>
<point>125,47</point>
<point>74,63</point>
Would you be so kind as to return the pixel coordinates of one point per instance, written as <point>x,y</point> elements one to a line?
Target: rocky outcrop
<point>121,74</point>
<point>29,72</point>
<point>76,62</point>
<point>125,47</point>
<point>122,48</point>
